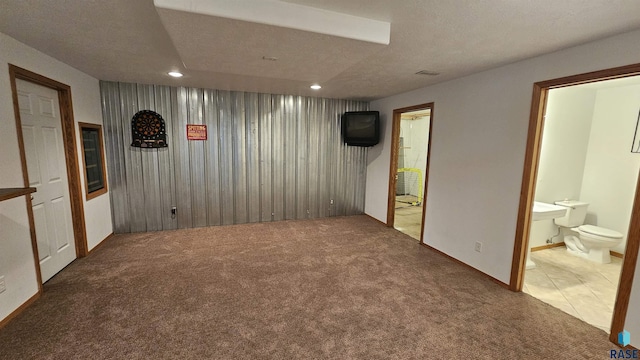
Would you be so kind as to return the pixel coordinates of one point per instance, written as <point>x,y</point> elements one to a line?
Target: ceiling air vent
<point>427,72</point>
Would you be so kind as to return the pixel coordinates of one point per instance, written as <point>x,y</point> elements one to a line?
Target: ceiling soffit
<point>230,44</point>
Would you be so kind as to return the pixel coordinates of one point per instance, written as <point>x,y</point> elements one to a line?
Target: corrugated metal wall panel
<point>166,176</point>
<point>267,157</point>
<point>277,157</point>
<point>211,157</point>
<point>149,168</point>
<point>332,152</point>
<point>252,114</point>
<point>354,178</point>
<point>289,160</point>
<point>313,156</point>
<point>363,179</point>
<point>239,156</point>
<point>324,203</point>
<point>116,168</point>
<point>133,159</point>
<point>195,100</point>
<point>180,114</point>
<point>345,173</point>
<point>226,157</point>
<point>302,159</point>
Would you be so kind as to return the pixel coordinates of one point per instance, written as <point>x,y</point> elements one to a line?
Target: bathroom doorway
<point>409,169</point>
<point>538,178</point>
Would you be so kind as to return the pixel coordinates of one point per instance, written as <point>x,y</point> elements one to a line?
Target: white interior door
<point>47,169</point>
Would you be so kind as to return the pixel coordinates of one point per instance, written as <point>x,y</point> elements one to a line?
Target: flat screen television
<point>361,128</point>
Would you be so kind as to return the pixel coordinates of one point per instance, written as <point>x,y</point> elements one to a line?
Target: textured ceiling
<point>124,40</point>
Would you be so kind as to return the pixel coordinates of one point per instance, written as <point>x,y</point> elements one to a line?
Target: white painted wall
<point>632,323</point>
<point>416,136</point>
<point>478,143</point>
<point>565,141</point>
<point>611,170</point>
<point>16,259</point>
<point>563,153</point>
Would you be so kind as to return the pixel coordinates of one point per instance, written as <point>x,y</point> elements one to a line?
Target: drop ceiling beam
<point>288,15</point>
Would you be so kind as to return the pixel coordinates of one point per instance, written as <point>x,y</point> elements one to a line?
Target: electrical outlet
<point>331,202</point>
<point>3,286</point>
<point>478,246</point>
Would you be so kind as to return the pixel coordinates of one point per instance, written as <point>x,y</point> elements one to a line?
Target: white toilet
<point>592,242</point>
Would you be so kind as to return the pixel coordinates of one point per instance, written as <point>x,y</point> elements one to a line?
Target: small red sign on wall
<point>196,132</point>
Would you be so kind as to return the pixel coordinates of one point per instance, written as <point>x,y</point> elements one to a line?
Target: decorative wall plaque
<point>147,130</point>
<point>196,132</point>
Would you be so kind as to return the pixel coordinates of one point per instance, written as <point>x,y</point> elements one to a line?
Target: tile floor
<point>577,286</point>
<point>408,219</point>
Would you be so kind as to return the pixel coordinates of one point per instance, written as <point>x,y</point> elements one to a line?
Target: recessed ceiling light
<point>315,87</point>
<point>175,74</point>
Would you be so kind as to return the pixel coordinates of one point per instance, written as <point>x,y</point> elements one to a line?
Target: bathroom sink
<point>544,211</point>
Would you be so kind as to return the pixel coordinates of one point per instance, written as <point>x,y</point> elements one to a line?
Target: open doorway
<point>527,215</point>
<point>409,168</point>
<point>586,170</point>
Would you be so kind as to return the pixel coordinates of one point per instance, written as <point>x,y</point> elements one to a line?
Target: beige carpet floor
<point>335,288</point>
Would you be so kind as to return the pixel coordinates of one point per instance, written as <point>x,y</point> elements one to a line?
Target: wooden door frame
<point>393,163</point>
<point>70,153</point>
<point>529,176</point>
